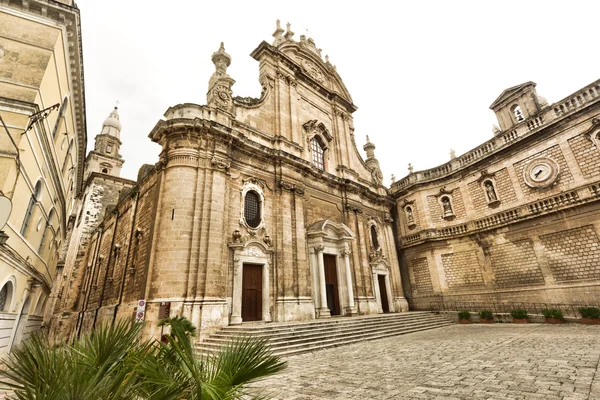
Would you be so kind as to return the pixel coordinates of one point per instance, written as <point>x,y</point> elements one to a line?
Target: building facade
<point>262,209</point>
<point>259,209</point>
<point>42,145</point>
<point>102,189</point>
<point>516,219</point>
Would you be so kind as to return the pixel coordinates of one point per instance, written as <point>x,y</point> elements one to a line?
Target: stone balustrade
<point>503,139</point>
<point>525,211</point>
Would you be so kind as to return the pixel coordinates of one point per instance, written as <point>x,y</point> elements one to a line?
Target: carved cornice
<point>220,163</point>
<point>354,208</point>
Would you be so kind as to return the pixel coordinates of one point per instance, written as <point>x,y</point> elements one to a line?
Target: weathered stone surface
<point>461,362</point>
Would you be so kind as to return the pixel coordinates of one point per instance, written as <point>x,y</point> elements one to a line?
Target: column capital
<point>319,248</point>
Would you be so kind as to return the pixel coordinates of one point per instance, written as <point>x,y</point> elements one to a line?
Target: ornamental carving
<point>388,218</point>
<point>353,208</point>
<point>313,71</point>
<point>220,163</point>
<point>222,96</point>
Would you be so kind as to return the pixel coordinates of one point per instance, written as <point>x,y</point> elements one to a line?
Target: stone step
<point>342,336</point>
<point>299,337</point>
<point>287,353</point>
<point>277,337</point>
<point>298,326</point>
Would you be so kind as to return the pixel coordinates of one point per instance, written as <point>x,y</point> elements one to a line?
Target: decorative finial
<point>410,168</point>
<point>289,33</point>
<point>116,104</point>
<point>278,34</point>
<point>368,141</point>
<point>393,178</point>
<point>221,60</point>
<point>452,154</point>
<point>327,58</point>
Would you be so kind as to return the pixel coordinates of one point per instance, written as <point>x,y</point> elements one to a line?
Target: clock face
<point>541,172</point>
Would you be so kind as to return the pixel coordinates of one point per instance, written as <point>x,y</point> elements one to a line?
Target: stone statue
<point>489,190</point>
<point>447,206</point>
<point>409,216</point>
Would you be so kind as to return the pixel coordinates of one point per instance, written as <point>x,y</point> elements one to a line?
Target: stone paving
<point>500,361</point>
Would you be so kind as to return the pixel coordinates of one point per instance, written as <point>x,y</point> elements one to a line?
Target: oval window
<point>252,209</point>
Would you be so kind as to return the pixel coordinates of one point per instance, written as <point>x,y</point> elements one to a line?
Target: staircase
<point>291,338</point>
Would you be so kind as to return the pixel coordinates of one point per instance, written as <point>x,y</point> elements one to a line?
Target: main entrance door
<point>331,284</point>
<point>383,293</point>
<point>252,292</point>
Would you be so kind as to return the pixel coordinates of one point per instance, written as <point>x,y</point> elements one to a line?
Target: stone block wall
<point>573,254</point>
<point>586,154</point>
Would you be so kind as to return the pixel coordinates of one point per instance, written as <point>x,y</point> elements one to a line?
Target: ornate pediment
<point>313,127</point>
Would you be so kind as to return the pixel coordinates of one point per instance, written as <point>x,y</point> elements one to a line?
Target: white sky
<point>422,73</point>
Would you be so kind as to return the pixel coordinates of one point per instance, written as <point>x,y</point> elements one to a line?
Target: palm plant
<point>177,373</point>
<point>100,365</point>
<point>114,363</point>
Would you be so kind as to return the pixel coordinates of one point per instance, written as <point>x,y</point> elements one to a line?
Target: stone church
<point>259,209</point>
<point>262,209</point>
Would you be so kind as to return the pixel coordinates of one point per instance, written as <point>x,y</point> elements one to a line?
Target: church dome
<point>113,120</point>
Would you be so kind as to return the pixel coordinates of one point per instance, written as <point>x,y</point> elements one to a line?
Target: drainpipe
<point>113,250</point>
<point>89,285</point>
<point>137,242</point>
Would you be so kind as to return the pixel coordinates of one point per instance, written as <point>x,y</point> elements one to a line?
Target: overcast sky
<point>422,73</point>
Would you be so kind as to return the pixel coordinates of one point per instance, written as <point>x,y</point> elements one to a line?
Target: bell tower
<point>105,157</point>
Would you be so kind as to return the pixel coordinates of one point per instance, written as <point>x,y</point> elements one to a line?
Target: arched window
<point>6,296</point>
<point>108,148</point>
<point>446,206</point>
<point>516,110</point>
<point>252,209</point>
<point>104,171</point>
<point>35,197</point>
<point>374,239</point>
<point>48,227</point>
<point>317,153</point>
<point>41,304</point>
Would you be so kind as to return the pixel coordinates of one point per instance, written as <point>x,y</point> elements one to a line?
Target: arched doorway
<point>329,248</point>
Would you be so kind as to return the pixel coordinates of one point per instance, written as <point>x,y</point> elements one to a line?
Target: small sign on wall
<point>141,311</point>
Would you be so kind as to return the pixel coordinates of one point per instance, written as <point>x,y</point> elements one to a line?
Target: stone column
<point>377,293</point>
<point>350,310</point>
<point>266,305</point>
<point>390,297</point>
<point>236,300</point>
<point>323,310</point>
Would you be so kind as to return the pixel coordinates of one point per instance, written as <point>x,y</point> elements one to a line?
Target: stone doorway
<point>252,292</point>
<point>385,305</point>
<point>331,284</point>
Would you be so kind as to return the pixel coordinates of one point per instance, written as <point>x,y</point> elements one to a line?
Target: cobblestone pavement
<point>502,361</point>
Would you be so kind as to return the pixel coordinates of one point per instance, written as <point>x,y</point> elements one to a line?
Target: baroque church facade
<point>262,209</point>
<point>257,210</point>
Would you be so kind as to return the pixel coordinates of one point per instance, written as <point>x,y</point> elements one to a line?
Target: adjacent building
<point>516,219</point>
<point>42,145</point>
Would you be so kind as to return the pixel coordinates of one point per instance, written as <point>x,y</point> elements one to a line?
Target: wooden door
<point>331,284</point>
<point>383,293</point>
<point>252,292</point>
